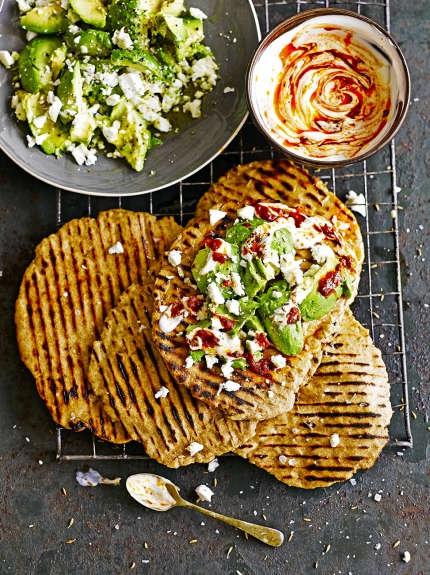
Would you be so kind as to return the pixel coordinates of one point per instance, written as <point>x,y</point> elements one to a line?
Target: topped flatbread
<point>74,281</point>
<point>339,421</point>
<point>131,379</point>
<point>248,295</point>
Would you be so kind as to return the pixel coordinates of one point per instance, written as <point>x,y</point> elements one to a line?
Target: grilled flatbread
<point>260,396</point>
<point>127,371</point>
<point>282,181</point>
<point>67,291</point>
<point>346,401</point>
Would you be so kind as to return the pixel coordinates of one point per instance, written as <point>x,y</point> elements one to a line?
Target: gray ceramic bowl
<point>265,68</point>
<point>182,153</point>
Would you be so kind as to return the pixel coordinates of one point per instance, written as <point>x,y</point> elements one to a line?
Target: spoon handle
<point>270,536</point>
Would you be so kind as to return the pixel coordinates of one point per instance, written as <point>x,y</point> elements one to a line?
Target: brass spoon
<point>160,494</point>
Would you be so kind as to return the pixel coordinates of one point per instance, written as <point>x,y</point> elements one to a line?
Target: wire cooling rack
<point>379,305</point>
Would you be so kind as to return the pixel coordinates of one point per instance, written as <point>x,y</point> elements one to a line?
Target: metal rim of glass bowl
<point>285,26</point>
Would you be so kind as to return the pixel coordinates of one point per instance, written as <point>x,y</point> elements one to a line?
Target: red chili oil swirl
<point>226,322</point>
<point>333,96</point>
<point>262,367</point>
<point>330,282</point>
<point>176,309</point>
<point>293,316</point>
<point>207,338</point>
<point>272,212</point>
<point>219,257</point>
<point>213,243</point>
<point>195,304</point>
<point>262,340</point>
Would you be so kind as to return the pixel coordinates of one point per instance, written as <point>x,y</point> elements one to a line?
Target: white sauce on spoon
<point>150,490</point>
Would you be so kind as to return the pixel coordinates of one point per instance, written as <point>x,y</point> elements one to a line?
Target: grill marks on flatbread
<point>282,181</point>
<point>127,370</point>
<point>65,294</point>
<point>349,395</point>
<point>251,401</point>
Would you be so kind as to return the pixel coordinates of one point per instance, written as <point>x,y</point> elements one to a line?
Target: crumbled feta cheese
<point>204,493</point>
<point>357,202</point>
<point>334,440</point>
<point>189,362</point>
<point>54,108</point>
<point>194,448</point>
<point>215,216</point>
<point>162,124</point>
<point>175,257</point>
<point>227,369</point>
<point>122,39</point>
<point>214,293</point>
<point>64,4</point>
<point>197,13</point>
<point>227,89</point>
<point>113,100</point>
<point>167,323</point>
<point>6,58</point>
<point>39,122</point>
<point>377,497</point>
<point>211,360</point>
<point>116,249</point>
<point>31,141</point>
<point>40,139</point>
<point>73,29</point>
<point>246,213</point>
<point>233,306</point>
<point>279,361</point>
<point>321,253</point>
<point>212,465</point>
<point>378,546</point>
<point>406,557</point>
<point>83,155</point>
<point>194,107</point>
<point>282,459</point>
<point>276,294</point>
<point>270,394</point>
<point>228,386</point>
<point>162,392</point>
<point>253,346</point>
<point>23,6</point>
<point>111,132</point>
<point>237,286</point>
<point>353,481</point>
<point>30,35</point>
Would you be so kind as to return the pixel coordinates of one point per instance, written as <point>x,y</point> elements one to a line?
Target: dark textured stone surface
<point>34,512</point>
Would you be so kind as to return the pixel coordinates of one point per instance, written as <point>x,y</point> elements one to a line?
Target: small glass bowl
<point>265,67</point>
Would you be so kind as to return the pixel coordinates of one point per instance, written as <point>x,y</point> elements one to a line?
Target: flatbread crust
<point>252,400</point>
<point>126,371</point>
<point>282,181</point>
<point>349,395</point>
<point>67,291</point>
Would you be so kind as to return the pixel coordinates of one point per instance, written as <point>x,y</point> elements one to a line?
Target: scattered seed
<point>193,541</point>
<point>402,408</point>
<point>396,544</point>
<point>400,208</point>
<point>316,565</point>
<point>414,415</point>
<point>428,428</point>
<point>229,551</point>
<point>70,523</point>
<point>373,266</point>
<point>145,545</point>
<point>419,252</point>
<point>306,519</point>
<point>399,348</point>
<point>382,297</point>
<point>70,540</point>
<point>64,491</point>
<point>264,517</point>
<point>354,507</point>
<point>376,315</point>
<point>377,207</point>
<point>291,536</point>
<point>133,565</point>
<point>246,535</point>
<point>215,481</point>
<point>328,548</point>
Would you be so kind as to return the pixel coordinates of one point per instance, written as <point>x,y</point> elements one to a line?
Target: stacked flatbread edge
<point>101,368</point>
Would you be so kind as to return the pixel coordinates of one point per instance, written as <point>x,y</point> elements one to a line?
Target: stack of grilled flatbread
<point>87,317</point>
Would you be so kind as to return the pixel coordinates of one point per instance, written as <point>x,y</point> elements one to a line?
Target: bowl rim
<point>290,23</point>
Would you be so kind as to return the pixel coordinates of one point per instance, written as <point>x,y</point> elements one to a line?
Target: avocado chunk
<point>226,269</point>
<point>34,68</point>
<point>92,12</point>
<point>57,139</point>
<point>254,281</point>
<point>288,338</point>
<point>282,242</point>
<point>172,7</point>
<point>57,60</point>
<point>239,233</point>
<point>315,305</point>
<point>191,45</point>
<point>96,42</point>
<point>45,20</point>
<point>83,127</point>
<point>140,60</point>
<point>70,92</point>
<point>133,139</point>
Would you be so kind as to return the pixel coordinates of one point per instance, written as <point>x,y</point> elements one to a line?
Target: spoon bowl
<point>160,494</point>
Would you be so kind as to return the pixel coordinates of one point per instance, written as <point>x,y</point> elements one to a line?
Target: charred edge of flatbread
<point>67,290</point>
<point>350,396</point>
<point>126,371</point>
<point>283,181</point>
<point>251,401</point>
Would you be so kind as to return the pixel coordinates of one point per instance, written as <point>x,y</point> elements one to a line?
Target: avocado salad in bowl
<point>127,79</point>
<point>244,295</point>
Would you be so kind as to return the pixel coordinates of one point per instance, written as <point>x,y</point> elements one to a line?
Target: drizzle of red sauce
<point>208,339</point>
<point>271,213</point>
<point>226,322</point>
<point>297,217</point>
<point>266,213</point>
<point>345,262</point>
<point>293,316</point>
<point>176,309</point>
<point>330,282</point>
<point>213,243</point>
<point>195,304</point>
<point>262,340</point>
<point>327,230</point>
<point>262,367</point>
<point>219,257</point>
